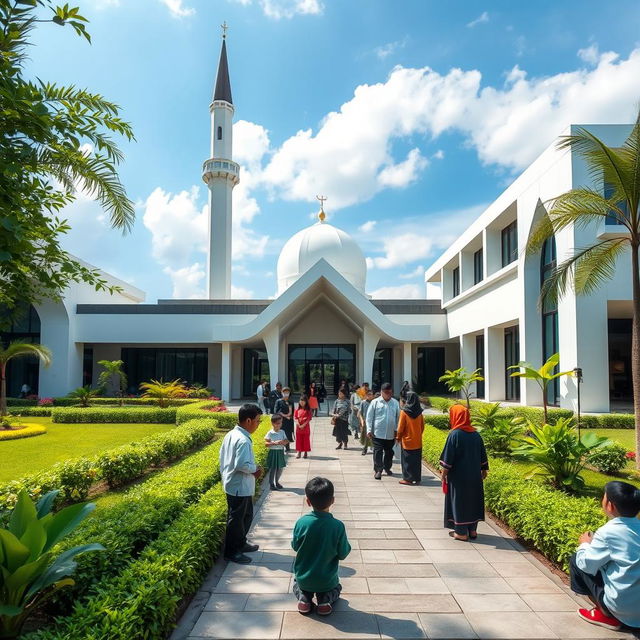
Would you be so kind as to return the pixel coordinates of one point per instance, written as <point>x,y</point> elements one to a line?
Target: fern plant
<point>163,391</point>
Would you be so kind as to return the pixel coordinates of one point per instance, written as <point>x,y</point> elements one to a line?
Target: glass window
<point>219,133</point>
<point>297,353</point>
<point>87,366</point>
<point>347,351</point>
<point>480,365</point>
<point>511,358</point>
<point>455,277</point>
<point>510,243</point>
<point>430,368</point>
<point>478,268</point>
<point>549,316</point>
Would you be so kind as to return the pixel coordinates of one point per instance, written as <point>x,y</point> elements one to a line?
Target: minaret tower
<point>221,174</point>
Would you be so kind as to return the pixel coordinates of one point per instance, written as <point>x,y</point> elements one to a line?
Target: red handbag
<point>445,486</point>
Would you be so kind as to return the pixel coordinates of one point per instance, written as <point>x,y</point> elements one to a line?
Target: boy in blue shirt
<point>606,566</point>
<point>320,542</point>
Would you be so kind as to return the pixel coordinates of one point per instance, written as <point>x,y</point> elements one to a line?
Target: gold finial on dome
<point>321,214</point>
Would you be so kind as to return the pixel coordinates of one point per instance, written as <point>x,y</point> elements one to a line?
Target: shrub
<point>27,431</point>
<point>202,409</point>
<point>439,422</point>
<point>609,459</point>
<point>500,435</point>
<point>45,402</point>
<point>441,404</point>
<point>20,402</point>
<point>608,421</point>
<point>143,402</point>
<point>162,391</point>
<point>41,412</point>
<point>97,415</point>
<point>84,395</point>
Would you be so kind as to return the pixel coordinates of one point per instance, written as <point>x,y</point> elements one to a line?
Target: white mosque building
<point>323,327</point>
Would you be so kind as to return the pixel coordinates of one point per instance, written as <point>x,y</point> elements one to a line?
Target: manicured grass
<point>66,442</point>
<point>625,437</point>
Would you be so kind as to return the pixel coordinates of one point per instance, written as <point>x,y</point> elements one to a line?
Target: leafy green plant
<point>113,370</point>
<point>484,416</point>
<point>499,438</point>
<point>608,459</point>
<point>30,571</point>
<point>558,453</point>
<point>163,391</point>
<point>118,415</point>
<point>84,395</point>
<point>17,349</point>
<point>460,381</point>
<point>543,376</point>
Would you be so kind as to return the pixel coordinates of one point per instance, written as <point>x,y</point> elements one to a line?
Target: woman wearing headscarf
<point>355,401</point>
<point>409,435</point>
<point>464,466</point>
<point>340,418</point>
<point>404,390</point>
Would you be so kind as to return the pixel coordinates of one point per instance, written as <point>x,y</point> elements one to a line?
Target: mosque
<point>323,327</point>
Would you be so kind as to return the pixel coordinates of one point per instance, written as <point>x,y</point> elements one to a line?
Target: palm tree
<point>163,391</point>
<point>460,380</point>
<point>84,395</point>
<point>544,376</point>
<point>17,349</point>
<point>590,267</point>
<point>113,368</point>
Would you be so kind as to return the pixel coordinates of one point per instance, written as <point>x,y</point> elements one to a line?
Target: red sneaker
<point>304,607</point>
<point>324,609</point>
<point>595,616</point>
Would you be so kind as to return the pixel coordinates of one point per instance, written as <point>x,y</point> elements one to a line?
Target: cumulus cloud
<point>240,293</point>
<point>279,9</point>
<point>368,226</point>
<point>483,17</point>
<point>416,273</point>
<point>438,155</point>
<point>385,50</point>
<point>188,282</point>
<point>401,249</point>
<point>177,9</point>
<point>403,173</point>
<point>398,292</point>
<point>590,54</point>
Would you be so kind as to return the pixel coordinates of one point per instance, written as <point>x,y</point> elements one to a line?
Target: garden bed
<point>19,431</point>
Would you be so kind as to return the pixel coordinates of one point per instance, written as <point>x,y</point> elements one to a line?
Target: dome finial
<point>224,26</point>
<point>321,214</point>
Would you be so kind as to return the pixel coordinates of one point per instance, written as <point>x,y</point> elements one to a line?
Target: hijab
<point>412,406</point>
<point>460,418</point>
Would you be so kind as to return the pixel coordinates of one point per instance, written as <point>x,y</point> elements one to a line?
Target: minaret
<point>221,174</point>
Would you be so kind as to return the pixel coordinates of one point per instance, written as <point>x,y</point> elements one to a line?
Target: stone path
<point>405,578</point>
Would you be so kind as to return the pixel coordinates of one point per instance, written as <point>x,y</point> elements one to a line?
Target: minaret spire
<point>221,174</point>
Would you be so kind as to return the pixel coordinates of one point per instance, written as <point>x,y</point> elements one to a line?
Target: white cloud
<point>240,293</point>
<point>188,282</point>
<point>368,226</point>
<point>438,155</point>
<point>279,9</point>
<point>401,249</point>
<point>590,54</point>
<point>405,172</point>
<point>483,17</point>
<point>385,50</point>
<point>177,9</point>
<point>418,272</point>
<point>399,292</point>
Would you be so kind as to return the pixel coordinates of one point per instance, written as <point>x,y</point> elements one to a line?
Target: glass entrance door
<point>322,373</point>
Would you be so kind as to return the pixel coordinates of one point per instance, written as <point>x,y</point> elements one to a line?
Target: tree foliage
<point>460,381</point>
<point>54,141</point>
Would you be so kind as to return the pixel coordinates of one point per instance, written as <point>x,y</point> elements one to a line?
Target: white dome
<point>321,240</point>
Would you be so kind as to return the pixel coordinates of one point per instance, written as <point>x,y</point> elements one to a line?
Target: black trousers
<point>382,454</point>
<point>411,464</point>
<point>239,517</point>
<point>587,585</point>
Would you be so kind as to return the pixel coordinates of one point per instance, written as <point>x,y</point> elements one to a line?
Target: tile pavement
<point>405,578</point>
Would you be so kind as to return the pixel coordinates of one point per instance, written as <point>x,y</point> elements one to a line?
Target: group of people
<point>605,567</point>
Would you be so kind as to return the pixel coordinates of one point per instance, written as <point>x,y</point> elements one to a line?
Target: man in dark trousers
<point>274,396</point>
<point>239,471</point>
<point>382,423</point>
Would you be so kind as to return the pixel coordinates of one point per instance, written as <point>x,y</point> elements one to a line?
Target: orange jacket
<point>410,431</point>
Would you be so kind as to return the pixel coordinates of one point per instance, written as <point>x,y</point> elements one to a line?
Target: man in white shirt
<point>382,424</point>
<point>260,396</point>
<point>238,470</point>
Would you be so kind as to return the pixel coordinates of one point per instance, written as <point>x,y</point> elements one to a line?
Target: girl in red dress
<point>313,399</point>
<point>302,417</point>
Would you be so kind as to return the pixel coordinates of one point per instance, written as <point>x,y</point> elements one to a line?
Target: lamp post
<point>577,372</point>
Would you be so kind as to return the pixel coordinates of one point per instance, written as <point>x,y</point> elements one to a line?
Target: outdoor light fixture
<point>577,372</point>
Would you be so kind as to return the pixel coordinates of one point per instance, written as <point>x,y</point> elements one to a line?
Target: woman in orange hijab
<point>464,466</point>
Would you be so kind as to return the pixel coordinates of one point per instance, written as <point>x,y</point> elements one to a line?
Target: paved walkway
<point>405,578</point>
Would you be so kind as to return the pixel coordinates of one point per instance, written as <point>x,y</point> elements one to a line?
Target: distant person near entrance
<point>284,406</point>
<point>313,399</point>
<point>24,390</point>
<point>382,419</point>
<point>238,470</point>
<point>302,417</point>
<point>260,396</point>
<point>340,419</point>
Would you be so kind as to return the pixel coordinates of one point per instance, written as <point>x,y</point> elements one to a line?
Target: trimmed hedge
<point>40,412</point>
<point>199,410</point>
<point>439,422</point>
<point>74,478</point>
<point>27,431</point>
<point>588,421</point>
<point>138,598</point>
<point>119,415</point>
<point>549,519</point>
<point>73,402</point>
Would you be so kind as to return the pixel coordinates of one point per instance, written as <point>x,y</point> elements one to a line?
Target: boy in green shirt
<point>320,542</point>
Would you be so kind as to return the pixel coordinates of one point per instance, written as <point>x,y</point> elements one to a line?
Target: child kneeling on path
<point>275,441</point>
<point>320,542</point>
<point>606,566</point>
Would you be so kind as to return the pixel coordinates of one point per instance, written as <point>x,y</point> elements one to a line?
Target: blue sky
<point>411,116</point>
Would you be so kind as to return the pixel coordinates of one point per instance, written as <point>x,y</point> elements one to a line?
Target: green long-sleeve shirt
<point>320,541</point>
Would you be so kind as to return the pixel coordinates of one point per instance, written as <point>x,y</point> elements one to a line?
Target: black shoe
<point>273,487</point>
<point>378,475</point>
<point>250,548</point>
<point>364,451</point>
<point>239,558</point>
<point>345,445</point>
<point>339,446</point>
<point>388,472</point>
<point>279,486</point>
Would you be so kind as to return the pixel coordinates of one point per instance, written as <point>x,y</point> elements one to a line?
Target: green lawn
<point>66,442</point>
<point>625,437</point>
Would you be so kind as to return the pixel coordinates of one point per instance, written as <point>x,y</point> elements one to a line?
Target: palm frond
<point>18,349</point>
<point>631,148</point>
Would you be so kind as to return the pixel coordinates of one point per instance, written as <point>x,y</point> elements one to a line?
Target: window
<point>219,133</point>
<point>382,368</point>
<point>613,216</point>
<point>431,365</point>
<point>480,365</point>
<point>510,243</point>
<point>87,366</point>
<point>456,281</point>
<point>549,315</point>
<point>478,269</point>
<point>511,358</point>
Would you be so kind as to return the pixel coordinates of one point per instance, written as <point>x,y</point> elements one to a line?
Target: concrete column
<point>494,364</point>
<point>407,370</point>
<point>225,372</point>
<point>468,356</point>
<point>236,372</point>
<point>370,339</point>
<point>272,344</point>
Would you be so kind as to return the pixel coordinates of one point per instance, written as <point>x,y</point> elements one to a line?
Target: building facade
<point>323,327</point>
